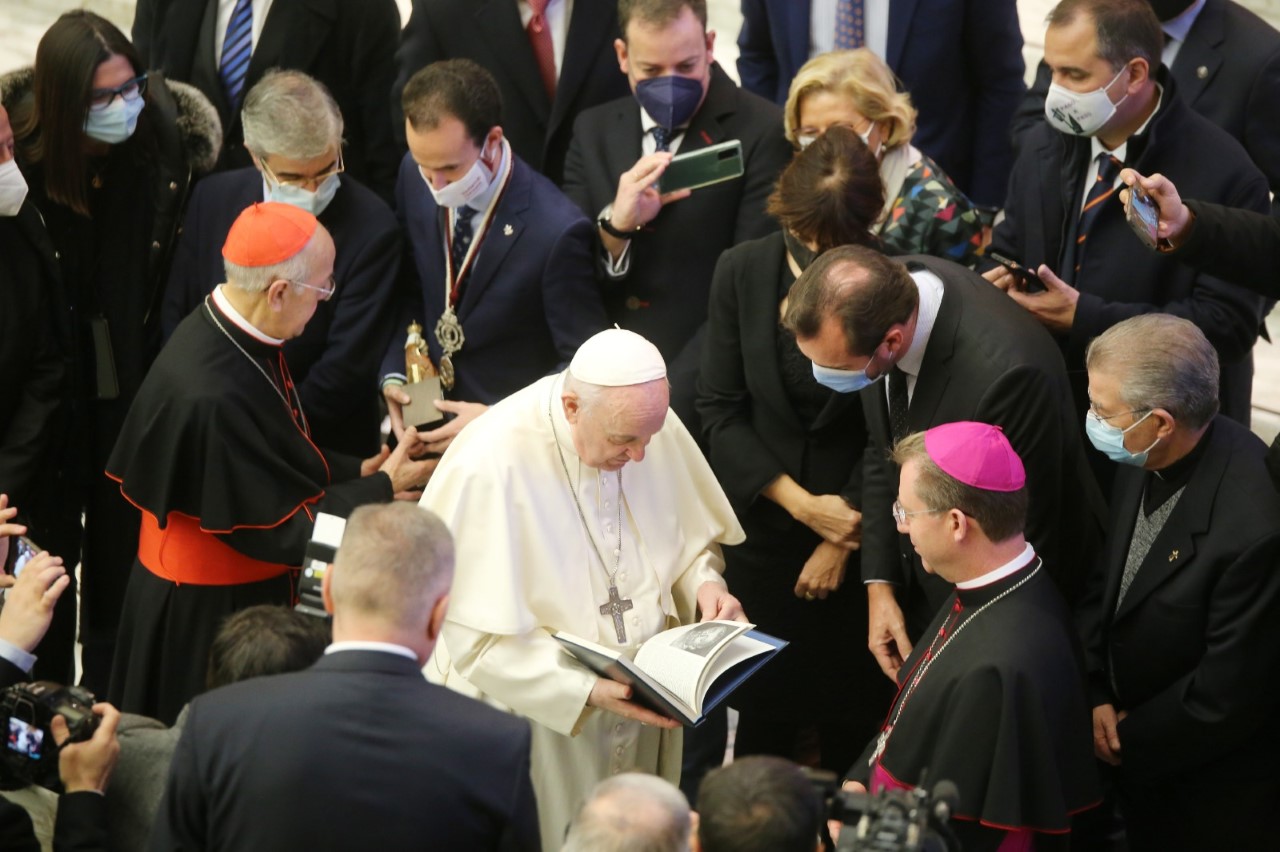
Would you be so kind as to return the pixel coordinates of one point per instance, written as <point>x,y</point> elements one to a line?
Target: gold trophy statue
<point>423,381</point>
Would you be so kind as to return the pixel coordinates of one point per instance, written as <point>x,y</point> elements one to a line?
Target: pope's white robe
<point>526,568</point>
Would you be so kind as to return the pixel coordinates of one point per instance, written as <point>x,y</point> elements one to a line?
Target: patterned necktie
<point>1103,188</point>
<point>898,403</point>
<point>850,24</point>
<point>237,47</point>
<point>462,234</point>
<point>662,138</point>
<point>544,51</point>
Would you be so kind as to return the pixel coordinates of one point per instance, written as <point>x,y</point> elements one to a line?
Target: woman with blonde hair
<point>924,212</point>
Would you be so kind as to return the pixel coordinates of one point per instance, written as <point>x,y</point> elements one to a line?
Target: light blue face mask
<point>117,122</point>
<point>312,202</point>
<point>845,381</point>
<point>1109,440</point>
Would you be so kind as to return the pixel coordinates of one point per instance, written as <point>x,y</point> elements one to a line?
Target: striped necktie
<point>236,50</point>
<point>850,24</point>
<point>1104,186</point>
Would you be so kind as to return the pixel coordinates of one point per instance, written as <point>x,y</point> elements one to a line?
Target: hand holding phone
<point>1143,217</point>
<point>703,167</point>
<point>1027,280</point>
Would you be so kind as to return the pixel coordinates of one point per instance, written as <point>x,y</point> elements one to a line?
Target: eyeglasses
<point>900,514</point>
<point>1094,411</point>
<point>100,99</point>
<point>326,293</point>
<point>338,168</point>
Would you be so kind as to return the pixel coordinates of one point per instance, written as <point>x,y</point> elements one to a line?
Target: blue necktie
<point>236,50</point>
<point>850,24</point>
<point>462,235</point>
<point>1104,186</point>
<point>662,138</point>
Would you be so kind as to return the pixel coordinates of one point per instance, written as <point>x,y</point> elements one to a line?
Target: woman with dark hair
<point>109,152</point>
<point>788,453</point>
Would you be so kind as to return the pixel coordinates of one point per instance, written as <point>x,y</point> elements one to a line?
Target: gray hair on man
<point>1161,361</point>
<point>256,279</point>
<point>289,114</point>
<point>395,561</point>
<point>632,812</point>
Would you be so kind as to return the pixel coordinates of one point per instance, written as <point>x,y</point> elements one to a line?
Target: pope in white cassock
<point>556,531</point>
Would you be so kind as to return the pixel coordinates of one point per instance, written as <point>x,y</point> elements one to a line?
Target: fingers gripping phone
<point>1028,281</point>
<point>1143,216</point>
<point>703,167</point>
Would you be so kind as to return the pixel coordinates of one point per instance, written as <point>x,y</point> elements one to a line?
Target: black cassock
<point>1000,711</point>
<point>215,453</point>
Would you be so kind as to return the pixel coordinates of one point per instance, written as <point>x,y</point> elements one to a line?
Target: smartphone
<point>1028,281</point>
<point>1143,216</point>
<point>703,167</point>
<point>27,550</point>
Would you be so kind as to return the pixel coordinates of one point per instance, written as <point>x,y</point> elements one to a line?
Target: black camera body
<point>30,755</point>
<point>891,820</point>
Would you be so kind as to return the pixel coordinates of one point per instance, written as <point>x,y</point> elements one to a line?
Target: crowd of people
<point>240,246</point>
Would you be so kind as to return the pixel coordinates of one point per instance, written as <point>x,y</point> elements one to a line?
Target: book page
<point>740,649</point>
<point>678,657</point>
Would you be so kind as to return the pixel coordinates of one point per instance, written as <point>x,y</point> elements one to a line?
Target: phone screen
<point>25,738</point>
<point>26,552</point>
<point>1143,216</point>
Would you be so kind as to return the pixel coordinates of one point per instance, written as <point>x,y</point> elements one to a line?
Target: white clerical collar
<point>1177,28</point>
<point>1095,144</point>
<point>384,647</point>
<point>1022,560</point>
<point>481,202</point>
<point>930,288</point>
<point>224,305</point>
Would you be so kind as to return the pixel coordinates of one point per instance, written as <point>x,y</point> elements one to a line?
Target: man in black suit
<point>293,132</point>
<point>1226,62</point>
<point>1180,628</point>
<point>659,251</point>
<point>360,746</point>
<point>953,349</point>
<point>349,45</point>
<point>538,111</point>
<point>1108,109</point>
<point>961,60</point>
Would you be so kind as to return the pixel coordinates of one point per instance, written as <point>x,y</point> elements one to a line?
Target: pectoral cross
<point>616,606</point>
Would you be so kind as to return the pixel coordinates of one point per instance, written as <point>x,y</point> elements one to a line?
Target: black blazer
<point>357,752</point>
<point>1228,70</point>
<point>335,360</point>
<point>489,32</point>
<point>349,45</point>
<point>986,360</point>
<point>1119,278</point>
<point>1195,643</point>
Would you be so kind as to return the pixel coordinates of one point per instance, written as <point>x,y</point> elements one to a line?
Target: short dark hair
<point>50,126</point>
<point>758,804</point>
<point>1000,514</point>
<point>866,291</point>
<point>453,87</point>
<point>1125,29</point>
<point>830,193</point>
<point>658,13</point>
<point>264,640</point>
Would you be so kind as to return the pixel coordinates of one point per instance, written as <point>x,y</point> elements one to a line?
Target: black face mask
<point>801,253</point>
<point>1167,10</point>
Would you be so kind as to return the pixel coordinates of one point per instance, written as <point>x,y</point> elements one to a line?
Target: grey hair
<point>1160,361</point>
<point>394,563</point>
<point>588,394</point>
<point>290,114</point>
<point>632,812</point>
<point>256,279</point>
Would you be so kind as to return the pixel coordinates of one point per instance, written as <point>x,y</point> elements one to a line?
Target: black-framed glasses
<point>100,99</point>
<point>338,168</point>
<point>326,292</point>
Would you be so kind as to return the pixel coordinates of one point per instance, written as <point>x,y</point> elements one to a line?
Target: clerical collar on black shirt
<point>980,590</point>
<point>1163,484</point>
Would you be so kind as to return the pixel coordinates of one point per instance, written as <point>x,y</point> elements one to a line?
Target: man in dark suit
<point>1180,624</point>
<point>1226,63</point>
<point>360,745</point>
<point>223,48</point>
<point>659,251</point>
<point>499,269</point>
<point>505,37</point>
<point>953,349</point>
<point>293,132</point>
<point>1064,221</point>
<point>961,62</point>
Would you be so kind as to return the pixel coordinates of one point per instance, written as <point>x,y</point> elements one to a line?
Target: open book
<point>683,672</point>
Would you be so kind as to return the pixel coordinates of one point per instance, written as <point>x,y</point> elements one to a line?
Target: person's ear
<point>694,845</point>
<point>620,48</point>
<point>1139,73</point>
<point>1167,422</point>
<point>959,525</point>
<point>436,623</point>
<point>326,588</point>
<point>275,294</point>
<point>572,407</point>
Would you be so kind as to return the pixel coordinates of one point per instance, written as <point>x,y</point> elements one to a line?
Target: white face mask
<point>312,202</point>
<point>1081,113</point>
<point>465,189</point>
<point>13,188</point>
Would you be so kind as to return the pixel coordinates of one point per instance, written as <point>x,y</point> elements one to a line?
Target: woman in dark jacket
<point>788,453</point>
<point>109,153</point>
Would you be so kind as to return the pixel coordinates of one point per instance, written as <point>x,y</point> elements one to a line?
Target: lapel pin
<point>1173,556</point>
<point>507,230</point>
<point>1202,72</point>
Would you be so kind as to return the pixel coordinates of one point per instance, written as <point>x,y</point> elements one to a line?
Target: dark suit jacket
<point>986,360</point>
<point>489,32</point>
<point>1195,638</point>
<point>961,62</point>
<point>1119,278</point>
<point>348,45</point>
<point>1228,70</point>
<point>530,300</point>
<point>358,751</point>
<point>335,360</point>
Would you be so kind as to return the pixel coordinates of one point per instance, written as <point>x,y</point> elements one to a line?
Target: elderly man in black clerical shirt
<point>1181,634</point>
<point>992,698</point>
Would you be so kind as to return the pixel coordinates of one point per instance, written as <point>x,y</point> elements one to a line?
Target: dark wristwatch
<point>607,226</point>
